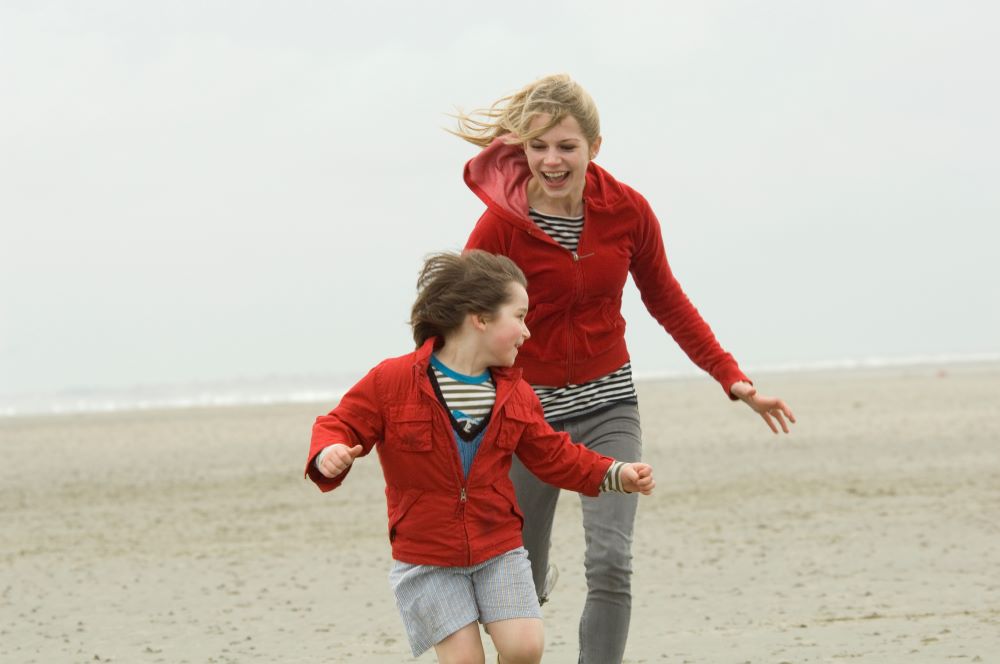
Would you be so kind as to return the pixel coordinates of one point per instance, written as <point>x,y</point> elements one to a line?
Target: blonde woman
<point>578,233</point>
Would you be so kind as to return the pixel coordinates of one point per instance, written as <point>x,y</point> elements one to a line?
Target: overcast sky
<point>213,190</point>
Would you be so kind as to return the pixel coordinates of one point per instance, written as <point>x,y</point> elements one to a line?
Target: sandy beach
<point>871,534</point>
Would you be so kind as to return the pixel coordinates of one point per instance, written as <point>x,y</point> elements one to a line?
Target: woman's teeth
<point>553,177</point>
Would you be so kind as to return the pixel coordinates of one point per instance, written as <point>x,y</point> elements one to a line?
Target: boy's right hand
<point>337,458</point>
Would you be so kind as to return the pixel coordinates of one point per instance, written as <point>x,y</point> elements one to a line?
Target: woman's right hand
<point>337,458</point>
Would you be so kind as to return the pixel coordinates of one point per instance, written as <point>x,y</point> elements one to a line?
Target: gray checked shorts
<point>435,602</point>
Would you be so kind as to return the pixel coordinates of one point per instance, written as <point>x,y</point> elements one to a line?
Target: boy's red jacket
<point>435,516</point>
<point>577,328</point>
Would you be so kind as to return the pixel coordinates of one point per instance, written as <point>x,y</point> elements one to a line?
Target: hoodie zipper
<point>577,278</point>
<point>576,257</point>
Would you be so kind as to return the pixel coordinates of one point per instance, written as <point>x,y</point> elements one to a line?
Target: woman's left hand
<point>769,408</point>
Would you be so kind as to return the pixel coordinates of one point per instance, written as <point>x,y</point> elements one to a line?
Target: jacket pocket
<point>599,328</point>
<point>507,496</point>
<point>516,418</point>
<point>409,427</point>
<point>400,503</point>
<point>611,312</point>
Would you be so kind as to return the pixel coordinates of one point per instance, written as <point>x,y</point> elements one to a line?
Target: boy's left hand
<point>638,478</point>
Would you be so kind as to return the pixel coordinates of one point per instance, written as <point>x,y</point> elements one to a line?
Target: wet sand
<point>871,534</point>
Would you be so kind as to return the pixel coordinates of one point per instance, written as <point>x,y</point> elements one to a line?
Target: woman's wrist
<point>741,389</point>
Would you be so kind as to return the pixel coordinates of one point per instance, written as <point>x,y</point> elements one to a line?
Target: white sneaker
<point>551,576</point>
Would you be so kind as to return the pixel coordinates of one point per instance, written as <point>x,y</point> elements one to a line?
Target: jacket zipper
<point>456,460</point>
<point>463,494</point>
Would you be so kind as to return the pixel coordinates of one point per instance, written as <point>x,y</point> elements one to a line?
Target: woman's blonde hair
<point>451,286</point>
<point>557,95</point>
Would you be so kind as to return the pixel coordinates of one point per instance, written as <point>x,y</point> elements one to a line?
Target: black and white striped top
<point>564,230</point>
<point>561,403</point>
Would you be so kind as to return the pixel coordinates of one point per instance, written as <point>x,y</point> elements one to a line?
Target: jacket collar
<point>422,358</point>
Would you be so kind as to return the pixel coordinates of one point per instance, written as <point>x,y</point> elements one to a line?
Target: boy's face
<point>505,328</point>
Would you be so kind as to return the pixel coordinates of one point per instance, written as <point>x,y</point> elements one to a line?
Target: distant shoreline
<point>280,390</point>
<point>837,366</point>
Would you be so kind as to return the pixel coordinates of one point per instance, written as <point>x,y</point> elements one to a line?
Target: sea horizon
<point>313,388</point>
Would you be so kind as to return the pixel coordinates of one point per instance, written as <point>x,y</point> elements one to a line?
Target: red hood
<point>499,175</point>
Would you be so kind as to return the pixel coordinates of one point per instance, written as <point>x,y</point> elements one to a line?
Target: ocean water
<point>236,392</point>
<point>327,389</point>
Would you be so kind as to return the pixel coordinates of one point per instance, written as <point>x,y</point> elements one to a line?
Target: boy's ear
<point>479,321</point>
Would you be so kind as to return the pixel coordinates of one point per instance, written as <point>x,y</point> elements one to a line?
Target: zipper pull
<point>462,495</point>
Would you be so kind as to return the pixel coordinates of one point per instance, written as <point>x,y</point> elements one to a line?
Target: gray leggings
<point>608,521</point>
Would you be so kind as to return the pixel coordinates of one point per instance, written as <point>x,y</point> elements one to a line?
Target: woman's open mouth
<point>556,178</point>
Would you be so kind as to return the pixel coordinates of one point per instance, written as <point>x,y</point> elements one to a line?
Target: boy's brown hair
<point>452,286</point>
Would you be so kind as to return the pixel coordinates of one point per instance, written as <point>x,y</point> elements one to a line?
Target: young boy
<point>445,420</point>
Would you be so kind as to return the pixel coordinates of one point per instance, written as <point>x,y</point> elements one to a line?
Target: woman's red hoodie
<point>577,329</point>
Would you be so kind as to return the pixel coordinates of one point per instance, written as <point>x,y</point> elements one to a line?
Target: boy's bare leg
<point>462,647</point>
<point>518,640</point>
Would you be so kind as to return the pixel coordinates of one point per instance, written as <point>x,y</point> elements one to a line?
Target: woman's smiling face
<point>558,161</point>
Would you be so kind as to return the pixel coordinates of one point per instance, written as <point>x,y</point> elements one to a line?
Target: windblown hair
<point>453,285</point>
<point>556,95</point>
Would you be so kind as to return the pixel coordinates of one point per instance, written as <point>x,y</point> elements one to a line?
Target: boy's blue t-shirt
<point>469,401</point>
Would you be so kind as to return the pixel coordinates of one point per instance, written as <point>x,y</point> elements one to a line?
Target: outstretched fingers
<point>773,411</point>
<point>767,417</point>
<point>780,411</point>
<point>787,411</point>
